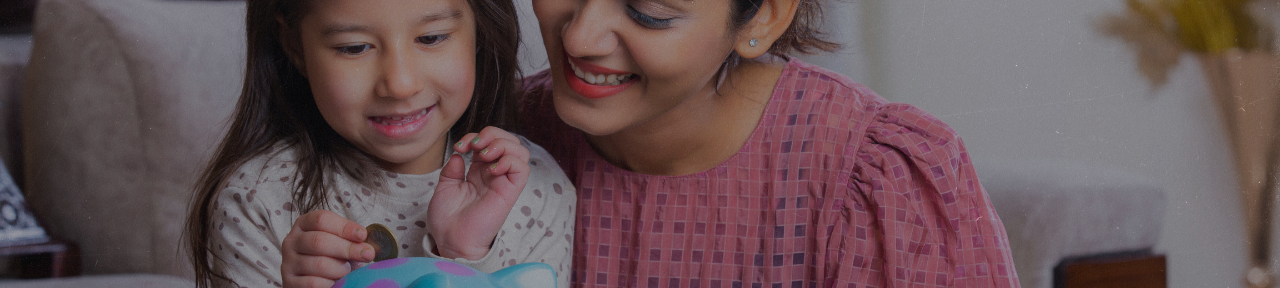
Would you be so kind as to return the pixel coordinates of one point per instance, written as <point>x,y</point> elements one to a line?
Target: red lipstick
<point>593,91</point>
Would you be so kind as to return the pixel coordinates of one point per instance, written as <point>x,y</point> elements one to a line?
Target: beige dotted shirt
<point>255,212</point>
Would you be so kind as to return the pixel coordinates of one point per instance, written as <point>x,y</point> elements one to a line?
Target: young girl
<point>346,119</point>
<point>707,157</point>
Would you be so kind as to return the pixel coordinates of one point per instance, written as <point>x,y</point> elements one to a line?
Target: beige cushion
<point>123,101</point>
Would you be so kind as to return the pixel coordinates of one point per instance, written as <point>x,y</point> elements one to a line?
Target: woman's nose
<point>591,31</point>
<point>399,78</point>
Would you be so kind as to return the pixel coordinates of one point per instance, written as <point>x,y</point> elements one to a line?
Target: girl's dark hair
<point>804,35</point>
<point>276,107</point>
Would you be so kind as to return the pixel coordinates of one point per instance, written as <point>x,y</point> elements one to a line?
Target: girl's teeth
<point>398,119</point>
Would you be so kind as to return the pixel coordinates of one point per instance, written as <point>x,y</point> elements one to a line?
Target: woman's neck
<point>700,133</point>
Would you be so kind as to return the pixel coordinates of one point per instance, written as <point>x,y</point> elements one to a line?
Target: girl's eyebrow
<point>443,15</point>
<point>433,17</point>
<point>343,28</point>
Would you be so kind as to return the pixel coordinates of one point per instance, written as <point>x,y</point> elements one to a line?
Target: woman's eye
<point>432,39</point>
<point>646,20</point>
<point>353,49</point>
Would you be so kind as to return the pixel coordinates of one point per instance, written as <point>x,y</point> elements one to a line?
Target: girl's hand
<point>316,250</point>
<point>470,205</point>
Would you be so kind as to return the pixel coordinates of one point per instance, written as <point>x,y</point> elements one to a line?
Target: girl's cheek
<point>458,78</point>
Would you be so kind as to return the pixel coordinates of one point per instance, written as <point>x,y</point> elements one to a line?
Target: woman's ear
<point>291,41</point>
<point>773,19</point>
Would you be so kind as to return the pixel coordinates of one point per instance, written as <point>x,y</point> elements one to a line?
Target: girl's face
<point>620,64</point>
<point>391,76</point>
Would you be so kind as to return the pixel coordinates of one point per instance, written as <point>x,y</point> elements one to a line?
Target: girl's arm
<point>317,249</point>
<point>262,241</point>
<point>470,205</point>
<point>538,226</point>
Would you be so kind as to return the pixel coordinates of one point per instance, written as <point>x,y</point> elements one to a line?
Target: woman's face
<point>647,57</point>
<point>391,76</point>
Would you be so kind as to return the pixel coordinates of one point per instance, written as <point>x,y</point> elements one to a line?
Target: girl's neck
<point>700,133</point>
<point>431,161</point>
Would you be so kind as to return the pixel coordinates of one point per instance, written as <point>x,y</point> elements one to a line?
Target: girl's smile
<point>398,126</point>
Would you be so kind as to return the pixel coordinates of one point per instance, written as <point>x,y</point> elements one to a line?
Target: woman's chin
<point>591,125</point>
<point>595,122</point>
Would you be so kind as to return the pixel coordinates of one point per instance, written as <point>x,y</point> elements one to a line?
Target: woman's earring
<point>753,42</point>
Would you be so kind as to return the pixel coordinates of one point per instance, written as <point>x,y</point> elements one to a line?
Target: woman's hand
<point>317,250</point>
<point>470,205</point>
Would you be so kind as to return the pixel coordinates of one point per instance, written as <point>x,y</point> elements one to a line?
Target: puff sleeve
<point>914,182</point>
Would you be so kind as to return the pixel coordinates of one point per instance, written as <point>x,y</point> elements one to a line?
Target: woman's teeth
<point>601,79</point>
<point>400,120</point>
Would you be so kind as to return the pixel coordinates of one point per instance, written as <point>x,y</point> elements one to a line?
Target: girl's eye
<point>648,21</point>
<point>353,49</point>
<point>432,39</point>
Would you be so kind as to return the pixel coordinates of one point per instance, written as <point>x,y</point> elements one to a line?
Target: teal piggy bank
<point>421,272</point>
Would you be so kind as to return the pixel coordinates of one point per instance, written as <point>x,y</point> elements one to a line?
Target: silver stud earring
<point>753,42</point>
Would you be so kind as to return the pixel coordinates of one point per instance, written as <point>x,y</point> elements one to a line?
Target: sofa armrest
<point>1057,208</point>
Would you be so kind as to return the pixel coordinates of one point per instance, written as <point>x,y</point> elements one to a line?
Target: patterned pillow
<point>17,224</point>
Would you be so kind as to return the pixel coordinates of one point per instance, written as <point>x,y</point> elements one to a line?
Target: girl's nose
<point>591,32</point>
<point>399,79</point>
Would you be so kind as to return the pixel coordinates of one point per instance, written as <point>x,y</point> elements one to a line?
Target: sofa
<point>124,100</point>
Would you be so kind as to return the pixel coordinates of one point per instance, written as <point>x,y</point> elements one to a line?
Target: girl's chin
<point>407,163</point>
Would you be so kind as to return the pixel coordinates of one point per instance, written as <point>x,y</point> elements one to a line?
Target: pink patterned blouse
<point>835,188</point>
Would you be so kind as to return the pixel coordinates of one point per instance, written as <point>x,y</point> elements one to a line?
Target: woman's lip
<point>591,68</point>
<point>589,90</point>
<point>402,128</point>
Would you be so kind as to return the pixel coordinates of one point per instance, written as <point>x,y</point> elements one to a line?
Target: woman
<point>706,157</point>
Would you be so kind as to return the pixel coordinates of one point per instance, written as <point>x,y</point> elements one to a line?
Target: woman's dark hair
<point>276,107</point>
<point>804,35</point>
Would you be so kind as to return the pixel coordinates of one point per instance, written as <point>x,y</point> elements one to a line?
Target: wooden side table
<point>54,258</point>
<point>1141,269</point>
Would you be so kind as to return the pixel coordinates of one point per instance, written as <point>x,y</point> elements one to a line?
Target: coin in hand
<point>385,245</point>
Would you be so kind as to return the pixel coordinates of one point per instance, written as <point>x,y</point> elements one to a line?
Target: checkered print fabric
<point>835,188</point>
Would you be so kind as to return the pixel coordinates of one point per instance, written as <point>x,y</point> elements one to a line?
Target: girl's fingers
<point>509,165</point>
<point>328,245</point>
<point>332,223</point>
<point>500,148</point>
<point>479,141</point>
<point>454,170</point>
<point>319,266</point>
<point>466,143</point>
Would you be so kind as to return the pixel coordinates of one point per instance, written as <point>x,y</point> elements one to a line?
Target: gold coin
<point>385,245</point>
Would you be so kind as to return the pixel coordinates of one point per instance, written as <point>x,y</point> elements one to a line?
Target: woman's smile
<point>596,82</point>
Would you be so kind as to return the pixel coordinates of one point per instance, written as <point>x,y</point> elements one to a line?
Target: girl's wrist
<point>449,251</point>
<point>472,254</point>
